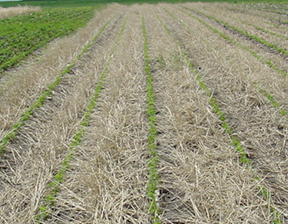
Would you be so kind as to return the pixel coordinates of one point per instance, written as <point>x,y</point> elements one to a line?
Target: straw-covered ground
<point>163,114</point>
<point>18,10</point>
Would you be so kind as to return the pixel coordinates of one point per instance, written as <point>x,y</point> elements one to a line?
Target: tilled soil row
<point>107,179</point>
<point>36,153</point>
<point>195,153</point>
<point>262,131</point>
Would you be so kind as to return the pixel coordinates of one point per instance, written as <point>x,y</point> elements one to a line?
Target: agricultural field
<point>167,113</point>
<point>23,34</point>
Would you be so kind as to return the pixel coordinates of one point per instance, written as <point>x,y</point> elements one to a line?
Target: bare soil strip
<point>12,11</point>
<point>107,179</point>
<point>259,127</point>
<point>37,152</point>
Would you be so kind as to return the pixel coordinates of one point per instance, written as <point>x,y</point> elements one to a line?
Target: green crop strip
<point>21,35</point>
<point>216,109</point>
<point>50,200</point>
<point>154,159</point>
<point>39,102</point>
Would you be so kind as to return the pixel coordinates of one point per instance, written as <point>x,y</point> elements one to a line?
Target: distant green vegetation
<point>57,3</point>
<point>23,34</point>
<point>94,3</point>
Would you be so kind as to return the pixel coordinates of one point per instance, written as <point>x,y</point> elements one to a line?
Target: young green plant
<point>154,158</point>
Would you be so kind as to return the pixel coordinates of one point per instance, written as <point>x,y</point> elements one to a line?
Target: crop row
<point>39,22</point>
<point>30,32</point>
<point>154,158</point>
<point>217,110</point>
<point>50,199</point>
<point>43,16</point>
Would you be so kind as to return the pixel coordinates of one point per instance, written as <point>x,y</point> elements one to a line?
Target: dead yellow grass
<point>201,179</point>
<point>22,86</point>
<point>107,180</point>
<point>255,17</point>
<point>18,10</point>
<point>236,20</point>
<point>231,73</point>
<point>262,51</point>
<point>29,163</point>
